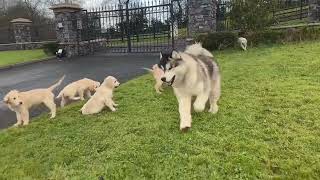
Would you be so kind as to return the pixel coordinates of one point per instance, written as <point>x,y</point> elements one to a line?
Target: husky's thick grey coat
<point>193,73</point>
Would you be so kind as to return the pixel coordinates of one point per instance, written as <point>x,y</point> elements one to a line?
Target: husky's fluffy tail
<point>197,50</point>
<point>51,88</point>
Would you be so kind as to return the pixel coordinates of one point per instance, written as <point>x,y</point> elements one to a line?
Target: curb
<point>26,63</point>
<point>102,54</point>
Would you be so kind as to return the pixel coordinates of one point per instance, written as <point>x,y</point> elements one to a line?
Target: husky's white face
<point>175,71</point>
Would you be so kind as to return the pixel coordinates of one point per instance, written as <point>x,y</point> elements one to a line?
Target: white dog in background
<point>81,88</point>
<point>21,102</point>
<point>102,97</point>
<point>243,43</point>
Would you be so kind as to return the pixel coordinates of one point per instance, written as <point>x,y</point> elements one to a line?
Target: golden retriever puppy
<point>157,73</point>
<point>102,97</point>
<point>81,88</point>
<point>21,102</point>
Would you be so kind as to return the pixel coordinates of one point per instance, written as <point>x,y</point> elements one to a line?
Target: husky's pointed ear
<point>198,43</point>
<point>161,55</point>
<point>175,55</point>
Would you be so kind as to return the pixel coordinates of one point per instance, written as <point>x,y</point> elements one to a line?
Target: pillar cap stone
<point>21,21</point>
<point>66,7</point>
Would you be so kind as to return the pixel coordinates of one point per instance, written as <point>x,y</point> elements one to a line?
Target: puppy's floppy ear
<point>15,91</point>
<point>175,55</point>
<point>108,82</point>
<point>6,100</point>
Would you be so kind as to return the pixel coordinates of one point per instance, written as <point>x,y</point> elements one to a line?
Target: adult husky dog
<point>193,73</point>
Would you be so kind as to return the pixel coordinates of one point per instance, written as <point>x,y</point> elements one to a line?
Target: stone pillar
<point>22,32</point>
<point>68,21</point>
<point>314,10</point>
<point>202,16</point>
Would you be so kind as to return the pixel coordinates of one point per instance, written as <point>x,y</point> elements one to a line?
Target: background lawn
<point>14,57</point>
<point>268,127</point>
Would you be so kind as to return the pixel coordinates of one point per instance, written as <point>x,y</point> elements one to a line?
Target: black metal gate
<point>131,27</point>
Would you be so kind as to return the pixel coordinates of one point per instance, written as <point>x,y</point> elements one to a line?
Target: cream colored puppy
<point>157,75</point>
<point>21,102</point>
<point>102,97</point>
<point>243,43</point>
<point>81,88</point>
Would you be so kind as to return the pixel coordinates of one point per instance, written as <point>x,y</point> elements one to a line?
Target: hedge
<point>50,48</point>
<point>223,40</point>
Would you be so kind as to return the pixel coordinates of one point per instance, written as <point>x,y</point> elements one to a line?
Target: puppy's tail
<point>148,69</point>
<point>60,95</point>
<point>75,98</point>
<point>51,88</point>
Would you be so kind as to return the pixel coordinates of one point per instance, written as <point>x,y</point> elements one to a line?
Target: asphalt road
<point>44,74</point>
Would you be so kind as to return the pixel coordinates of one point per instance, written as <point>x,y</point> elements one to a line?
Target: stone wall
<point>22,33</point>
<point>68,21</point>
<point>68,32</point>
<point>83,48</point>
<point>202,16</point>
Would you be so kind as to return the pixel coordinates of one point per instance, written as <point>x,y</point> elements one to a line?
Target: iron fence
<point>6,34</point>
<point>145,26</point>
<point>43,32</point>
<point>290,10</point>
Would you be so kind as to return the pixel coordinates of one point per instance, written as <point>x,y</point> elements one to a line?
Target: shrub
<point>50,48</point>
<point>251,15</point>
<point>222,40</point>
<point>265,37</point>
<point>218,40</point>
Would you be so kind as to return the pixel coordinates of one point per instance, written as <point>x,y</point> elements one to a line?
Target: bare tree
<point>33,9</point>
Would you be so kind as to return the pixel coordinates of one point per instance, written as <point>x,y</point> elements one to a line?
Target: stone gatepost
<point>202,16</point>
<point>314,10</point>
<point>22,32</point>
<point>68,21</point>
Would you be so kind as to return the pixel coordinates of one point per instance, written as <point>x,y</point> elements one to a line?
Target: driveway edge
<point>26,63</point>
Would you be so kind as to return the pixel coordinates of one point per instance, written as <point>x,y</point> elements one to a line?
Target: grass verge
<point>21,56</point>
<point>268,127</point>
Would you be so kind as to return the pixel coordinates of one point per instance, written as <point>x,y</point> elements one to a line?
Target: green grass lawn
<point>14,57</point>
<point>268,127</point>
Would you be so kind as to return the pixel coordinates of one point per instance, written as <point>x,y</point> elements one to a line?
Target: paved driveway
<point>44,74</point>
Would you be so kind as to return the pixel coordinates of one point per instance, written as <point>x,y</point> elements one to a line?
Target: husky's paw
<point>214,109</point>
<point>113,109</point>
<point>52,116</point>
<point>25,123</point>
<point>185,126</point>
<point>185,130</point>
<point>199,107</point>
<point>16,124</point>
